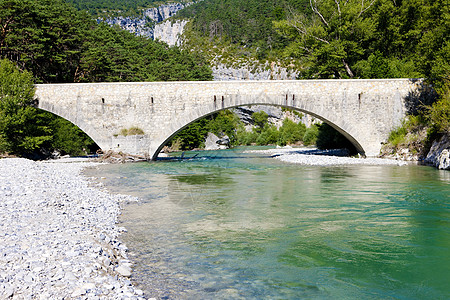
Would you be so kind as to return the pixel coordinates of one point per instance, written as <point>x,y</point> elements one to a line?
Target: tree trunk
<point>347,69</point>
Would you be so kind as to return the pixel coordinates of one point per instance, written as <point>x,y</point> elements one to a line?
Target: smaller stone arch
<point>88,130</point>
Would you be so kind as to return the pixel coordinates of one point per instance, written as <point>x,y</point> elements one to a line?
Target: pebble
<point>58,234</point>
<point>124,270</point>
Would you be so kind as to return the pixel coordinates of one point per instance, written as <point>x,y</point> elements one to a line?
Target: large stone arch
<point>174,130</point>
<point>365,111</point>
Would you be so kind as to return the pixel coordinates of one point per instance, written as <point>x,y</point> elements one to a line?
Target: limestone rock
<point>211,142</point>
<point>439,154</point>
<point>140,25</point>
<point>169,32</point>
<point>444,160</point>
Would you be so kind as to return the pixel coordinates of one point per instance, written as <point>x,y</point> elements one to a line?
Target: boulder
<point>439,154</point>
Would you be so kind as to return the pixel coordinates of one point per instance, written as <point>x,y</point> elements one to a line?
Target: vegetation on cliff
<point>122,7</point>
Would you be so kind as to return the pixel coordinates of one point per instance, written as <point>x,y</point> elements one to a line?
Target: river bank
<point>59,237</point>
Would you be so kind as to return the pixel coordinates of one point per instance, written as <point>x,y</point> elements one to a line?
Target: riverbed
<point>236,225</point>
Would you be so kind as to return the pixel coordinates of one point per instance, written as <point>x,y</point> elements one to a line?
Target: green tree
<point>331,37</point>
<point>69,139</point>
<point>291,132</point>
<point>269,135</point>
<point>310,136</point>
<point>224,122</point>
<point>43,37</point>
<point>260,119</point>
<point>193,136</point>
<point>22,129</point>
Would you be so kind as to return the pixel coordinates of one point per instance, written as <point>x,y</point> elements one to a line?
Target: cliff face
<point>144,25</point>
<point>152,24</point>
<point>252,72</point>
<point>169,32</point>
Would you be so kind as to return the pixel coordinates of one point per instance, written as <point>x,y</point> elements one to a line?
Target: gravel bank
<point>59,238</point>
<point>314,157</point>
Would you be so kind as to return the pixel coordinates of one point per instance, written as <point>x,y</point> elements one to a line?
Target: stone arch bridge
<point>365,111</point>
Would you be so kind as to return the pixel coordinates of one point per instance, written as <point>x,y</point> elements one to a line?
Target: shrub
<point>399,135</point>
<point>439,113</point>
<point>268,136</point>
<point>131,131</point>
<point>291,132</point>
<point>310,136</point>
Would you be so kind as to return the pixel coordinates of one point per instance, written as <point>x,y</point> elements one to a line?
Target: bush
<point>439,113</point>
<point>224,122</point>
<point>291,132</point>
<point>132,131</point>
<point>269,136</point>
<point>310,136</point>
<point>400,135</point>
<point>69,139</point>
<point>260,119</point>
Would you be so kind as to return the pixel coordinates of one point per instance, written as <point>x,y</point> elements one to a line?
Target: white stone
<point>124,270</point>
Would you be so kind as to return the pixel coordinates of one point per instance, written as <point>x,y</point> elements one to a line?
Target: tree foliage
<point>99,7</point>
<point>21,126</point>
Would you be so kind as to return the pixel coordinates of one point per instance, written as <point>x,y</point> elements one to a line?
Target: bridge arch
<point>174,130</point>
<point>363,110</point>
<point>88,130</point>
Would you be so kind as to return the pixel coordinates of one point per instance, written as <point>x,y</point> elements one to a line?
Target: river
<point>231,225</point>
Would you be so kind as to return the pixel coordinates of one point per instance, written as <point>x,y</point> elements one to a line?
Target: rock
<point>140,25</point>
<point>211,142</point>
<point>88,286</point>
<point>439,155</point>
<point>169,32</point>
<point>78,292</point>
<point>224,141</point>
<point>252,71</point>
<point>8,293</point>
<point>50,241</point>
<point>444,160</point>
<point>124,270</point>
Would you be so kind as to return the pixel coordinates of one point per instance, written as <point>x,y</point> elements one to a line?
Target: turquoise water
<point>242,226</point>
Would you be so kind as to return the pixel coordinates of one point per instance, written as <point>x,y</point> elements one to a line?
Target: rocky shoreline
<point>59,234</point>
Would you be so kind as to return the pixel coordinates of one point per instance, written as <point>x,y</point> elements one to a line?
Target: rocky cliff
<point>144,25</point>
<point>439,154</point>
<point>169,32</point>
<point>256,71</point>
